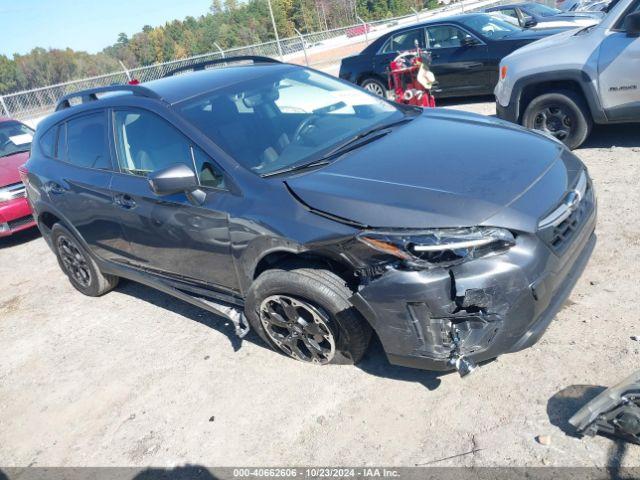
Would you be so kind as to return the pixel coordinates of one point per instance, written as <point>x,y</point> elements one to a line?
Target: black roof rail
<point>91,94</point>
<point>202,65</point>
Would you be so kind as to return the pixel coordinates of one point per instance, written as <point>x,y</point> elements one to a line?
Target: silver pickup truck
<point>565,83</point>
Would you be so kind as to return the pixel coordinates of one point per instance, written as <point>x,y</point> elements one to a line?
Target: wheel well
<point>532,91</point>
<point>306,259</point>
<point>48,220</point>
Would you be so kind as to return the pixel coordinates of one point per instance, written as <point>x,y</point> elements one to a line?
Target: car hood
<point>443,169</point>
<point>9,168</point>
<point>531,35</point>
<point>557,41</point>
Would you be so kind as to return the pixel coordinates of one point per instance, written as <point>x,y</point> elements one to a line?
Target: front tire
<point>78,265</point>
<point>374,86</point>
<point>561,114</point>
<point>305,314</point>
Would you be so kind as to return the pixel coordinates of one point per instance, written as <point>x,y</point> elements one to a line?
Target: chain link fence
<point>321,50</point>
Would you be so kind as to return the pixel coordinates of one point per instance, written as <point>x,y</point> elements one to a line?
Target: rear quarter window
<point>48,142</point>
<point>86,142</point>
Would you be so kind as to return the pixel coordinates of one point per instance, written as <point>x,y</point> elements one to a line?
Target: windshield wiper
<point>301,166</point>
<point>13,153</point>
<point>350,144</point>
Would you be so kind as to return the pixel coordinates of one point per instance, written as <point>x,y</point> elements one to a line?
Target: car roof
<point>177,88</point>
<point>510,5</point>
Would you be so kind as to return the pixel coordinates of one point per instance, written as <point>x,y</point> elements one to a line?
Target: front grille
<point>559,237</point>
<point>17,190</point>
<point>20,222</point>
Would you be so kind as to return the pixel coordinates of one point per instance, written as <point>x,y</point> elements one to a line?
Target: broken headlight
<point>439,247</point>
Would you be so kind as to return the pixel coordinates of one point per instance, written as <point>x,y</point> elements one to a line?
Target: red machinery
<point>410,79</point>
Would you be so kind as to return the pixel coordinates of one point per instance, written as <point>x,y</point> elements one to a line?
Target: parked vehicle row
<point>559,81</point>
<point>465,49</point>
<point>537,15</point>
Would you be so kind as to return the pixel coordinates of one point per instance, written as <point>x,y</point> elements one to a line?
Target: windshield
<point>14,138</point>
<point>543,10</point>
<point>490,26</point>
<point>286,118</point>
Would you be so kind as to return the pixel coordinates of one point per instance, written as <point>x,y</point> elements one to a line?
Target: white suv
<point>565,83</point>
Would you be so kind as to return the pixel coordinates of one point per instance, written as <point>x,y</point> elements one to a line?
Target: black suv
<point>316,210</point>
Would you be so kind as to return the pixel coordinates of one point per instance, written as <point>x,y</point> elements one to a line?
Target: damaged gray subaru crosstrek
<point>316,213</point>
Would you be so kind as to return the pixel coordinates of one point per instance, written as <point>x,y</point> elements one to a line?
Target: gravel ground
<point>139,378</point>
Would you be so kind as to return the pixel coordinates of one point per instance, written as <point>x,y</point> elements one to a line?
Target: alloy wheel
<point>74,261</point>
<point>374,88</point>
<point>555,120</point>
<point>298,328</point>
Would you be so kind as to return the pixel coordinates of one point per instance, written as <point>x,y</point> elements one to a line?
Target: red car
<point>358,30</point>
<point>15,144</point>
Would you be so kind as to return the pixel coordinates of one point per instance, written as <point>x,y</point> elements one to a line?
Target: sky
<point>83,24</point>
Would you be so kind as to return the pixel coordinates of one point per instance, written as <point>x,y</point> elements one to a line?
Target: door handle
<point>124,201</point>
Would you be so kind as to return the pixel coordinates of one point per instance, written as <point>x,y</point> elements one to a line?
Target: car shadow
<point>197,314</point>
<point>564,404</point>
<point>19,238</point>
<point>618,135</point>
<point>375,363</point>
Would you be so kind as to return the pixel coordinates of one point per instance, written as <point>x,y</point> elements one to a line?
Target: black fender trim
<point>513,111</point>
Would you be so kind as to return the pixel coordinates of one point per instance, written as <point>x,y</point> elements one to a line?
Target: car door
<point>460,61</point>
<point>78,183</point>
<point>618,67</point>
<point>399,42</point>
<point>172,236</point>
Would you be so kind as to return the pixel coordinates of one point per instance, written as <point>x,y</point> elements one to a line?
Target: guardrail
<point>318,49</point>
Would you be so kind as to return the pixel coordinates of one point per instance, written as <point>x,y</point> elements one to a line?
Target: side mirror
<point>529,22</point>
<point>469,41</point>
<point>632,24</point>
<point>173,179</point>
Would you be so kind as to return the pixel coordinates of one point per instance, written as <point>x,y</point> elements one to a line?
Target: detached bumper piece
<point>615,412</point>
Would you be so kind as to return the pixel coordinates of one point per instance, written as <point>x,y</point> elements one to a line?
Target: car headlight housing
<point>439,247</point>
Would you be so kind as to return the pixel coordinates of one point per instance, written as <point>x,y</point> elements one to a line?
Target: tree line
<point>229,23</point>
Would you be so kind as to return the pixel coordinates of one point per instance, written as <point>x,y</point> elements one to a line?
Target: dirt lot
<point>138,378</point>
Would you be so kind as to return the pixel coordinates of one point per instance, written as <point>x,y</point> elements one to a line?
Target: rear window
<point>86,142</point>
<point>15,137</point>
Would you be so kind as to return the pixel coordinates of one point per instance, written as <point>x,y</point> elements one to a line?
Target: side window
<point>145,143</point>
<point>48,142</point>
<point>510,12</point>
<point>445,36</point>
<point>86,143</point>
<point>405,41</point>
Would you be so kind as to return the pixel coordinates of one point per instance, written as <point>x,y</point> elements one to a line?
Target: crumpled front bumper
<point>491,305</point>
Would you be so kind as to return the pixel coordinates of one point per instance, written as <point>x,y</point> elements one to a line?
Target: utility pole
<point>275,30</point>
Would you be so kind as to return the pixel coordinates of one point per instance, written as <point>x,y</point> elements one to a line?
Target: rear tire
<point>562,114</point>
<point>78,265</point>
<point>305,314</point>
<point>375,86</point>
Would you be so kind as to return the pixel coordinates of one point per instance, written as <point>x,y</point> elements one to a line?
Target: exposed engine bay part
<point>615,412</point>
